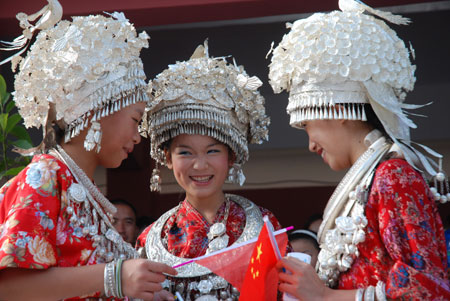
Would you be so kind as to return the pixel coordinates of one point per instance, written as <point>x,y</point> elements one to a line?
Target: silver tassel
<point>235,175</point>
<point>155,180</point>
<point>93,137</point>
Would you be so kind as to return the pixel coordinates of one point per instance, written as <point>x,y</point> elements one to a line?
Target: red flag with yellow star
<point>232,263</point>
<point>261,279</point>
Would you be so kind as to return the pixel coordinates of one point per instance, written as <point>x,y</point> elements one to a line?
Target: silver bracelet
<point>369,294</point>
<point>118,277</point>
<point>109,279</point>
<point>359,294</point>
<point>380,291</point>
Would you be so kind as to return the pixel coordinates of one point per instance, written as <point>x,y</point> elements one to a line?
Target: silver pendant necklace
<point>87,206</point>
<point>217,236</point>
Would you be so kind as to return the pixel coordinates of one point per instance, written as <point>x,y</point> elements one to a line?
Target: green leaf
<point>12,121</point>
<point>20,132</point>
<point>21,143</point>
<point>3,120</point>
<point>5,97</point>
<point>2,90</point>
<point>10,106</point>
<point>13,171</point>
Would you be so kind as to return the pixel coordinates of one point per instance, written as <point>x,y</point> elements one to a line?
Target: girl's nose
<point>200,162</point>
<point>312,146</point>
<point>137,137</point>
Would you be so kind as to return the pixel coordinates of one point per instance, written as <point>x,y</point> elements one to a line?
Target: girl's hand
<point>300,280</point>
<point>141,278</point>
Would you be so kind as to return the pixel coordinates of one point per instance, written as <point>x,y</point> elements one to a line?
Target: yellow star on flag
<point>255,274</point>
<point>258,256</point>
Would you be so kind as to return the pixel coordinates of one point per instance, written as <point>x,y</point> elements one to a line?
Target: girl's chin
<point>335,167</point>
<point>200,192</point>
<point>112,164</point>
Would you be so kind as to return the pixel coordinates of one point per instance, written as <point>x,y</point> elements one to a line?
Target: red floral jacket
<point>35,230</point>
<point>405,243</point>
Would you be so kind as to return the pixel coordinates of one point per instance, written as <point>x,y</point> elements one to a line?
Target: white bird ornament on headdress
<point>360,7</point>
<point>49,16</point>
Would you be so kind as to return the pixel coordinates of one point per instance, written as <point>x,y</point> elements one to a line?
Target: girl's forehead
<point>194,140</point>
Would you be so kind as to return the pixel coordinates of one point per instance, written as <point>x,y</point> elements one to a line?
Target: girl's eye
<point>212,151</point>
<point>184,153</point>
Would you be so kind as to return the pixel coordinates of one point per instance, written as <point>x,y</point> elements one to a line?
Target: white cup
<point>302,257</point>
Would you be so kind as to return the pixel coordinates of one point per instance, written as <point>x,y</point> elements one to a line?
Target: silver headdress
<point>78,72</point>
<point>207,96</point>
<point>348,57</point>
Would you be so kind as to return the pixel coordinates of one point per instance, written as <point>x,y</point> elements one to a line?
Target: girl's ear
<point>168,158</point>
<point>340,107</point>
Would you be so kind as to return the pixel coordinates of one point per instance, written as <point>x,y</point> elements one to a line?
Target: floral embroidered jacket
<point>405,244</point>
<point>186,232</point>
<point>35,231</point>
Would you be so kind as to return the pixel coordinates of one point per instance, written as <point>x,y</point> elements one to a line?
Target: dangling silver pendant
<point>218,239</point>
<point>93,137</point>
<point>155,180</point>
<point>235,175</point>
<point>217,244</point>
<point>217,229</point>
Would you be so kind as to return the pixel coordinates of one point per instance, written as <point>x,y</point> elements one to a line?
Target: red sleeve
<point>265,212</point>
<point>29,209</point>
<point>412,233</point>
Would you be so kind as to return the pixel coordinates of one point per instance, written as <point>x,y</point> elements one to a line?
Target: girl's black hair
<point>296,236</point>
<point>373,120</point>
<point>311,219</point>
<point>59,134</point>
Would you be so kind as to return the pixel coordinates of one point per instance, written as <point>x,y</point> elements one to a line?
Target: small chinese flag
<point>261,279</point>
<point>233,262</point>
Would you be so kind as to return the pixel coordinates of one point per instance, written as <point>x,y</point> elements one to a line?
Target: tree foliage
<point>12,134</point>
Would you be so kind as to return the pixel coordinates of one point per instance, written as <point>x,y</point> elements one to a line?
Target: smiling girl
<point>204,113</point>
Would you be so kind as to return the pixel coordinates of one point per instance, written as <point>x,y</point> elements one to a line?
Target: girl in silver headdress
<point>204,113</point>
<point>84,77</point>
<point>381,236</point>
